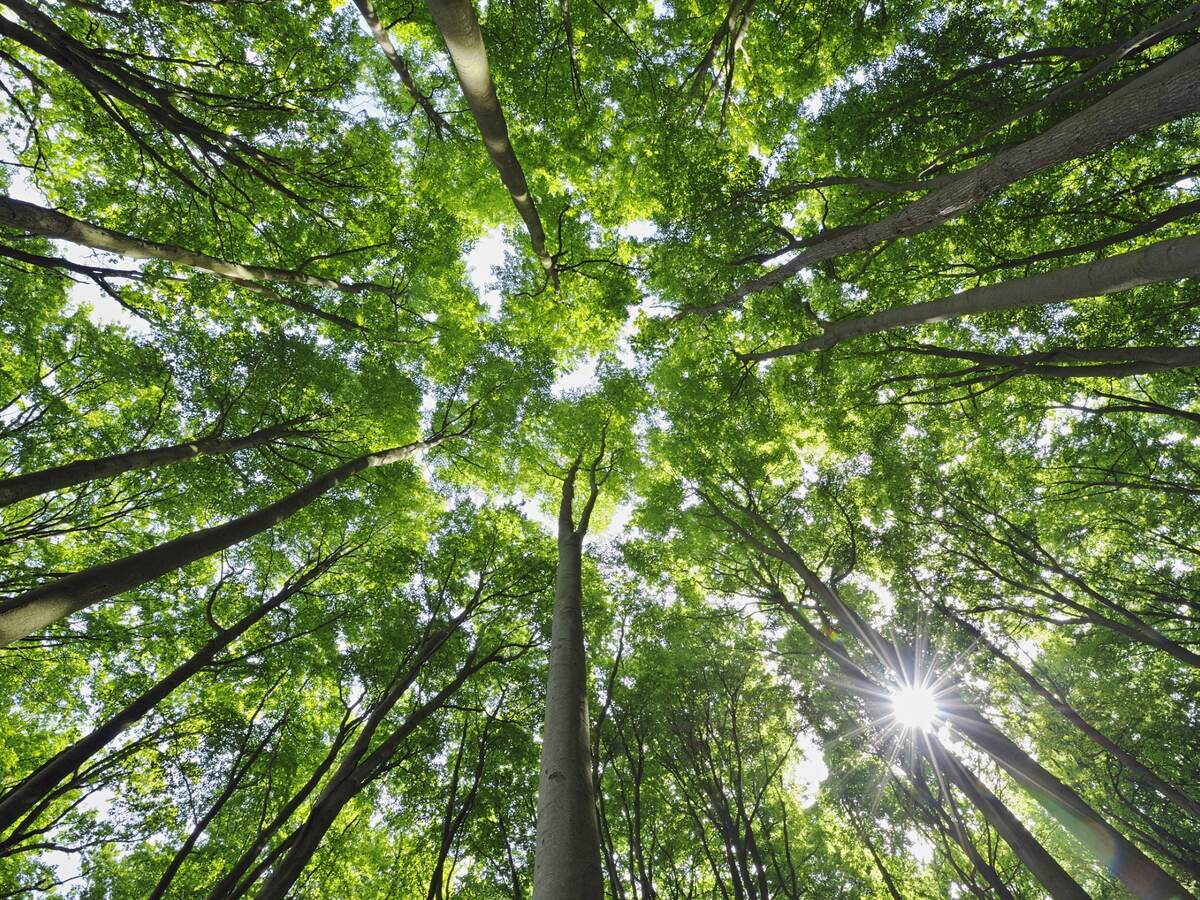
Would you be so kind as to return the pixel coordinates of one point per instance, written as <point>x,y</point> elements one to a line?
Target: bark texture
<point>567,864</point>
<point>459,27</point>
<point>1164,261</point>
<point>1169,91</point>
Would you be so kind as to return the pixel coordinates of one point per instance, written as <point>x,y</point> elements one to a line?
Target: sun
<point>914,706</point>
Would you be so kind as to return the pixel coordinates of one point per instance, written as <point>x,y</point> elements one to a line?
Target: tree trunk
<point>52,224</point>
<point>21,487</point>
<point>567,860</point>
<point>1058,883</point>
<point>34,787</point>
<point>459,27</point>
<point>384,40</point>
<point>37,608</point>
<point>1139,771</point>
<point>1169,91</point>
<point>1164,261</point>
<point>1142,876</point>
<point>354,773</point>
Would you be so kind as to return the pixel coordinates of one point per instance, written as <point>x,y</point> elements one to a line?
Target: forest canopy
<point>582,449</point>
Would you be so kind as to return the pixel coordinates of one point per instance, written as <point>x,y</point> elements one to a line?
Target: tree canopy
<point>630,449</point>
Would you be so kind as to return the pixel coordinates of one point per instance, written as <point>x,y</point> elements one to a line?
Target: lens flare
<point>914,706</point>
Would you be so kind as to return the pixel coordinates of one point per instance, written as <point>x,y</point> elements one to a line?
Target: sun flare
<point>914,706</point>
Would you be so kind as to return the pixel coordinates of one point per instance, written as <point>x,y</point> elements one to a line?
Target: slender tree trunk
<point>1057,882</point>
<point>52,224</point>
<point>19,801</point>
<point>459,27</point>
<point>21,487</point>
<point>354,773</point>
<point>37,608</point>
<point>567,860</point>
<point>1169,91</point>
<point>228,885</point>
<point>1130,762</point>
<point>1141,875</point>
<point>384,40</point>
<point>1164,261</point>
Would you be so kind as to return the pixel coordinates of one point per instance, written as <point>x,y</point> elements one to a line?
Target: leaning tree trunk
<point>567,862</point>
<point>1169,91</point>
<point>21,487</point>
<point>37,608</point>
<point>58,226</point>
<point>37,786</point>
<point>351,777</point>
<point>1057,882</point>
<point>459,26</point>
<point>1164,261</point>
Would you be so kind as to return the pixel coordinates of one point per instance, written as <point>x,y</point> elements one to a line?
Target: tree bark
<point>459,27</point>
<point>19,801</point>
<point>567,862</point>
<point>37,608</point>
<point>1164,261</point>
<point>1169,91</point>
<point>58,226</point>
<point>21,487</point>
<point>384,40</point>
<point>1128,760</point>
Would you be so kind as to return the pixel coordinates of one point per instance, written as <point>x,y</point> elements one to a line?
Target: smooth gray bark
<point>21,487</point>
<point>567,861</point>
<point>384,40</point>
<point>1169,91</point>
<point>1165,261</point>
<point>52,224</point>
<point>459,27</point>
<point>35,609</point>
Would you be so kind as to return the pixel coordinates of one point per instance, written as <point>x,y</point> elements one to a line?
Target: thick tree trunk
<point>52,224</point>
<point>384,40</point>
<point>21,487</point>
<point>1169,91</point>
<point>567,859</point>
<point>459,27</point>
<point>37,608</point>
<point>34,787</point>
<point>1164,261</point>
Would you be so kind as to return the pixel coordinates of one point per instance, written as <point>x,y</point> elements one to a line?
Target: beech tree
<point>612,449</point>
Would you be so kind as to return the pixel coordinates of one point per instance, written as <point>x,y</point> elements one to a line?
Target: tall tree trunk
<point>567,859</point>
<point>1139,873</point>
<point>52,224</point>
<point>384,40</point>
<point>1128,760</point>
<point>31,791</point>
<point>1164,261</point>
<point>1057,882</point>
<point>352,775</point>
<point>21,487</point>
<point>459,27</point>
<point>37,608</point>
<point>1169,91</point>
